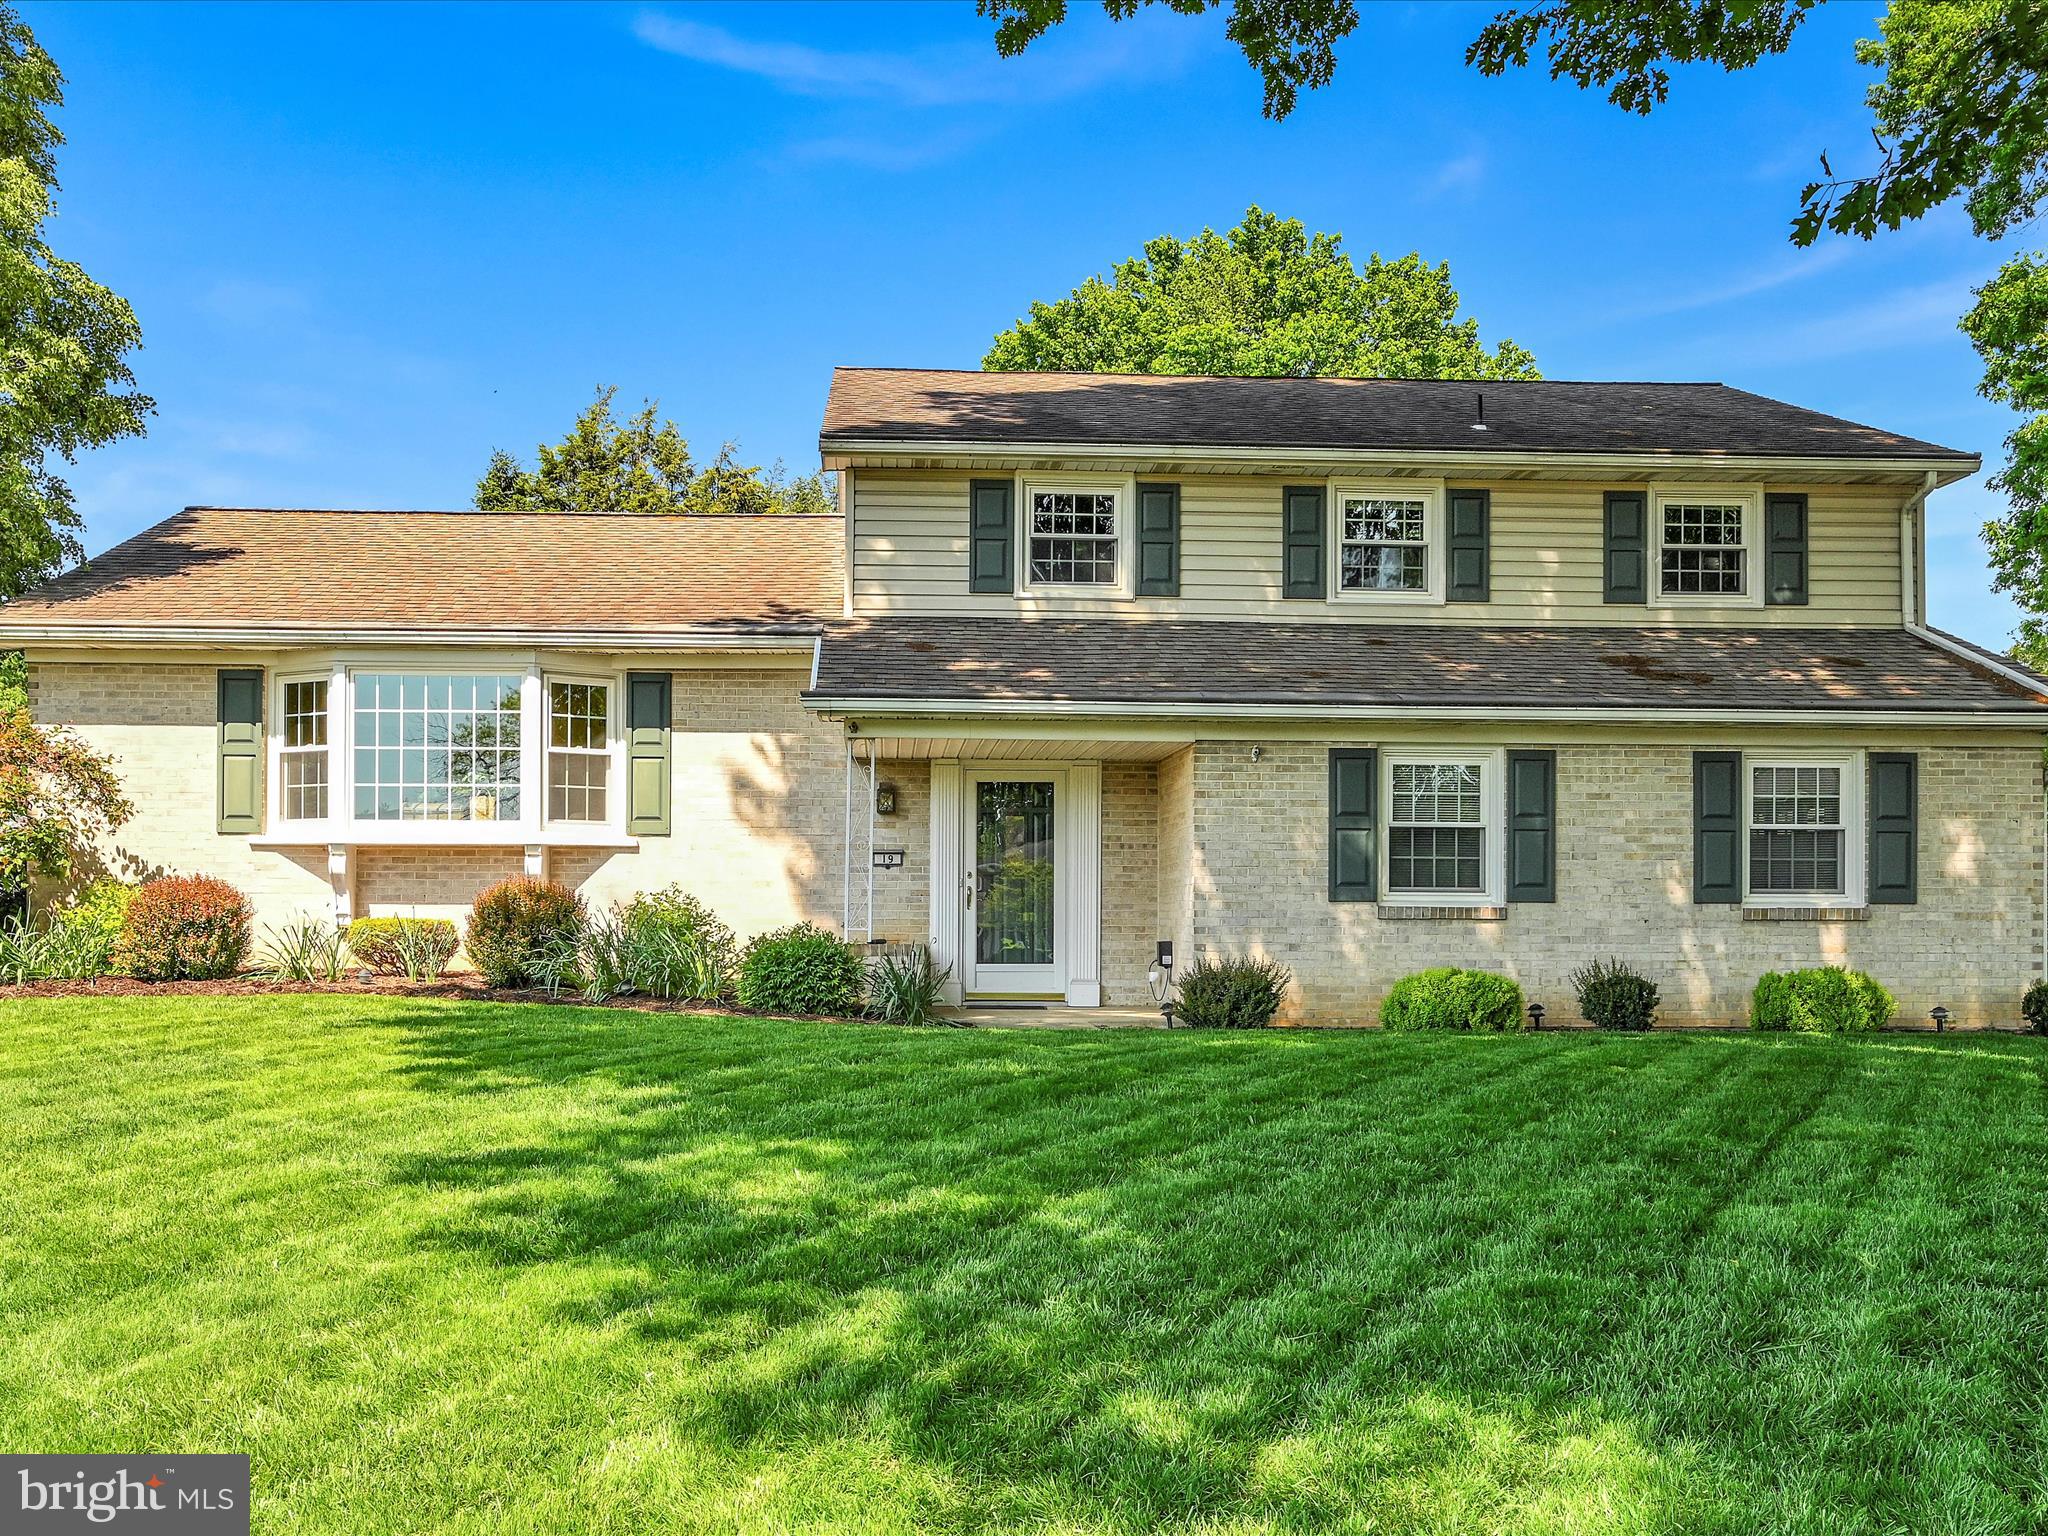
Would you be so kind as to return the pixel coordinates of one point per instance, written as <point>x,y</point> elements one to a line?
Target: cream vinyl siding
<point>909,553</point>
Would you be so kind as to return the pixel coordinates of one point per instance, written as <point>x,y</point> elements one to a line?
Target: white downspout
<point>871,844</point>
<point>846,848</point>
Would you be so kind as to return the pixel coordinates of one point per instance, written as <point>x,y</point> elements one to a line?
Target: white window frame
<point>1431,494</point>
<point>339,671</point>
<point>277,751</point>
<point>1492,765</point>
<point>1855,830</point>
<point>1125,493</point>
<point>613,751</point>
<point>1750,499</point>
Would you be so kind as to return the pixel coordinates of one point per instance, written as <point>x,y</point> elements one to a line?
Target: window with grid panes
<point>1704,549</point>
<point>1072,538</point>
<point>302,758</point>
<point>1436,828</point>
<point>1796,830</point>
<point>1384,545</point>
<point>436,746</point>
<point>579,750</point>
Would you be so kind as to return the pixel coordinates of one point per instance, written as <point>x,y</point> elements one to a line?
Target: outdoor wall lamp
<point>1257,752</point>
<point>1535,1015</point>
<point>1161,979</point>
<point>885,800</point>
<point>1940,1017</point>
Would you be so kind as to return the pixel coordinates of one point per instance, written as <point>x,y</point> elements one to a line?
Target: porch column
<point>948,875</point>
<point>1083,851</point>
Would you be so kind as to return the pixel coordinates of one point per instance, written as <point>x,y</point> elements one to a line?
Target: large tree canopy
<point>64,339</point>
<point>1266,298</point>
<point>639,465</point>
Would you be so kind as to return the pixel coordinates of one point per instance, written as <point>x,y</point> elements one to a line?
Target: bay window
<point>433,746</point>
<point>302,760</point>
<point>579,750</point>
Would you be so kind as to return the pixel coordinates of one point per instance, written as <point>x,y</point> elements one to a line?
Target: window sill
<point>1838,914</point>
<point>445,835</point>
<point>1418,912</point>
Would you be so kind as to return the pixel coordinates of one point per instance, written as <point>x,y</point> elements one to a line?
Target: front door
<point>1014,948</point>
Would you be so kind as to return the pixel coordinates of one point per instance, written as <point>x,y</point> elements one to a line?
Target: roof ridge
<point>764,517</point>
<point>1276,378</point>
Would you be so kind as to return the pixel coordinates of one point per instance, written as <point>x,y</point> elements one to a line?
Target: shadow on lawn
<point>1123,1281</point>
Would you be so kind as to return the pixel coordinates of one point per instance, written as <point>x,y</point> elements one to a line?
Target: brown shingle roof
<point>242,568</point>
<point>1545,416</point>
<point>1050,661</point>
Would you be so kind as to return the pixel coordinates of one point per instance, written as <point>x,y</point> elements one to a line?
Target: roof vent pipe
<point>1479,416</point>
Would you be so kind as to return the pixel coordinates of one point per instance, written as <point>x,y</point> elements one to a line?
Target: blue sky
<point>368,244</point>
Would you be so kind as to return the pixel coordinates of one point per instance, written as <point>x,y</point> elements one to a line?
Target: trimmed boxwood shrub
<point>801,969</point>
<point>184,928</point>
<point>1232,994</point>
<point>1614,995</point>
<point>1824,998</point>
<point>2034,1007</point>
<point>523,931</point>
<point>1445,997</point>
<point>376,940</point>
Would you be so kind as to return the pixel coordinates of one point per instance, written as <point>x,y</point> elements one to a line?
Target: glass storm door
<point>1013,939</point>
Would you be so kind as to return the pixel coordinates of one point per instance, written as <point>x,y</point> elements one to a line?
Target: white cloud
<point>1921,315</point>
<point>1793,269</point>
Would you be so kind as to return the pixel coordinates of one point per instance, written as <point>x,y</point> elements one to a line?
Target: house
<point>1366,675</point>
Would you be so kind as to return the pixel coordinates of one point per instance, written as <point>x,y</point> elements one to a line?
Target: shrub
<point>1232,994</point>
<point>305,952</point>
<point>83,932</point>
<point>184,927</point>
<point>1614,995</point>
<point>519,929</point>
<point>2034,1007</point>
<point>802,969</point>
<point>1445,997</point>
<point>908,988</point>
<point>678,947</point>
<point>1825,998</point>
<point>381,943</point>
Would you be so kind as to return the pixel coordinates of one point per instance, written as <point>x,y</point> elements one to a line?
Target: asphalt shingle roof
<point>1557,416</point>
<point>1104,661</point>
<point>234,567</point>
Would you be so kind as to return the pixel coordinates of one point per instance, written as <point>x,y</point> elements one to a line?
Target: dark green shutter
<point>1717,826</point>
<point>1465,535</point>
<point>1627,564</point>
<point>1785,550</point>
<point>1301,541</point>
<point>239,739</point>
<point>1894,828</point>
<point>1159,541</point>
<point>992,536</point>
<point>1532,826</point>
<point>1354,823</point>
<point>648,781</point>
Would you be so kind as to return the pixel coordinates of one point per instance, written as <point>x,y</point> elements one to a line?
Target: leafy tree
<point>1265,299</point>
<point>64,339</point>
<point>637,465</point>
<point>56,795</point>
<point>2009,328</point>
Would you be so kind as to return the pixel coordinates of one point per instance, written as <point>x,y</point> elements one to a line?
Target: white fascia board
<point>1975,658</point>
<point>900,711</point>
<point>217,636</point>
<point>852,452</point>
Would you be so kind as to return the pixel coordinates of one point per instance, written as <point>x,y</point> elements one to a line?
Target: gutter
<point>274,639</point>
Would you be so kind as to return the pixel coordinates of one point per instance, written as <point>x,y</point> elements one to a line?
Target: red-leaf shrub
<point>524,931</point>
<point>185,927</point>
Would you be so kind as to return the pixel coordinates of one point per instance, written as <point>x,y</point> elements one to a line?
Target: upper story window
<point>436,746</point>
<point>1384,544</point>
<point>1804,822</point>
<point>1071,537</point>
<point>302,759</point>
<point>1706,544</point>
<point>1444,841</point>
<point>579,750</point>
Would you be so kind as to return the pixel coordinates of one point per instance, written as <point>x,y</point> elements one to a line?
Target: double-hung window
<point>1706,545</point>
<point>1385,548</point>
<point>302,754</point>
<point>1804,823</point>
<point>1443,841</point>
<point>579,750</point>
<point>1071,536</point>
<point>437,746</point>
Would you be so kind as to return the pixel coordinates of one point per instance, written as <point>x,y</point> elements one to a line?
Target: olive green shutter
<point>1301,541</point>
<point>1627,565</point>
<point>1894,828</point>
<point>1532,826</point>
<point>992,536</point>
<point>1159,541</point>
<point>239,742</point>
<point>1785,550</point>
<point>1354,823</point>
<point>1717,826</point>
<point>1465,553</point>
<point>648,702</point>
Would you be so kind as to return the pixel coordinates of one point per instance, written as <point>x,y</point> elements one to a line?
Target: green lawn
<point>477,1268</point>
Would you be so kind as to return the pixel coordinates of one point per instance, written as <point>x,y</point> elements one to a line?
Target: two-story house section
<point>1364,675</point>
